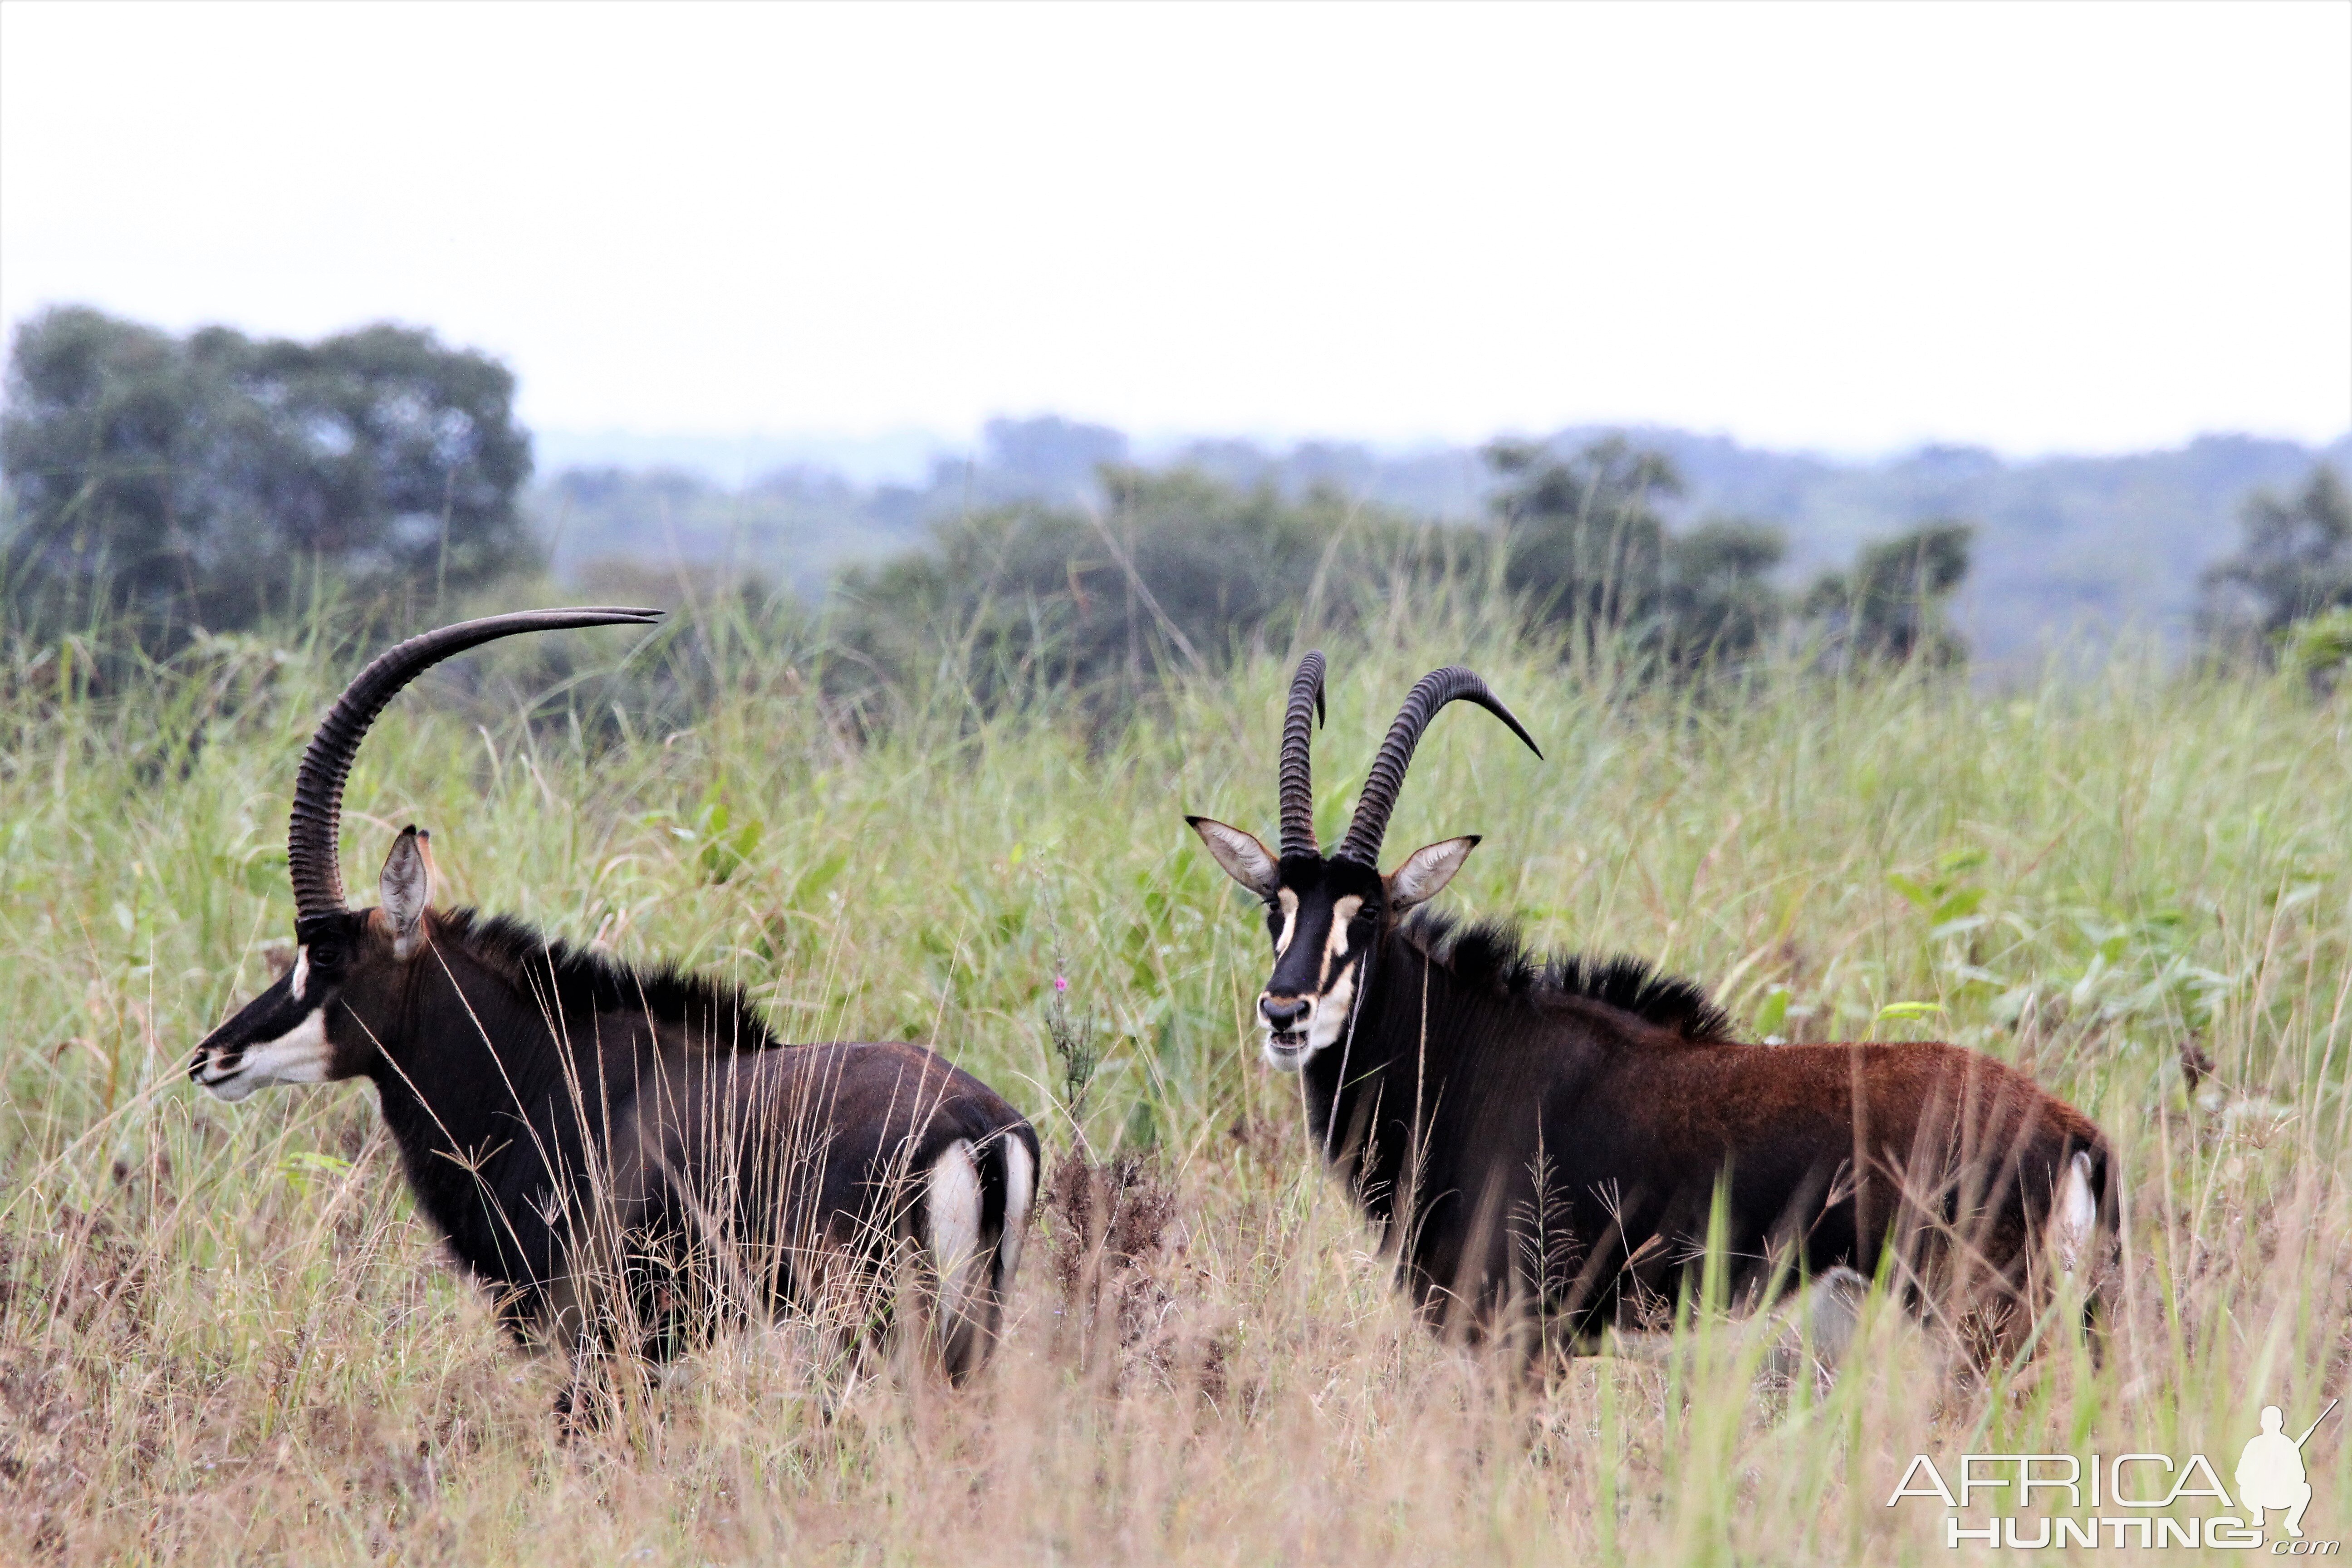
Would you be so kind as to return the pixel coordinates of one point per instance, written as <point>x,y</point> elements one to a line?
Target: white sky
<point>1849,227</point>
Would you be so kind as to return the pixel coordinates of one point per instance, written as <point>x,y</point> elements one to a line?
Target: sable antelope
<point>1548,1140</point>
<point>619,1153</point>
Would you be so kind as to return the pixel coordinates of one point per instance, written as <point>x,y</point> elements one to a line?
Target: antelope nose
<point>1282,1012</point>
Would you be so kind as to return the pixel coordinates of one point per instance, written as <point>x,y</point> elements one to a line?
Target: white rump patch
<point>1020,1190</point>
<point>301,1055</point>
<point>953,1205</point>
<point>2075,1216</point>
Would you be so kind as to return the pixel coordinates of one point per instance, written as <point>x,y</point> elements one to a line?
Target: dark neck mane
<point>587,982</point>
<point>1493,956</point>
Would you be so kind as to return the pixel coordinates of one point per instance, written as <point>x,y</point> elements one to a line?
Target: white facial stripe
<point>1331,1015</point>
<point>1334,946</point>
<point>1326,1014</point>
<point>301,1055</point>
<point>1290,902</point>
<point>301,970</point>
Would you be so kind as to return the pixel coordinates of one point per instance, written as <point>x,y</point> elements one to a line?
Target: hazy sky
<point>1849,227</point>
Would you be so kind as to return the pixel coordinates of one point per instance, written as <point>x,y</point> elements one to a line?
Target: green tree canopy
<point>1588,546</point>
<point>1179,570</point>
<point>1176,569</point>
<point>191,479</point>
<point>1718,601</point>
<point>1895,603</point>
<point>2293,563</point>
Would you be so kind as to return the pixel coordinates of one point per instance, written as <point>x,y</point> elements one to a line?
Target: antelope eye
<point>325,954</point>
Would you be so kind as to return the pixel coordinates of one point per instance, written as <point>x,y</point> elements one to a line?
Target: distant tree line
<point>1179,570</point>
<point>214,480</point>
<point>167,482</point>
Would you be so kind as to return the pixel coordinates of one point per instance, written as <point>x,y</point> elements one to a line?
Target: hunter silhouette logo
<point>2270,1472</point>
<point>2131,1499</point>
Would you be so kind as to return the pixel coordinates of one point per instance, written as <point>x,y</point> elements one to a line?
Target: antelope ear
<point>405,889</point>
<point>1425,872</point>
<point>1245,860</point>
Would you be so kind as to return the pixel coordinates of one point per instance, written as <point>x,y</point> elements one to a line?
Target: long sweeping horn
<point>1298,729</point>
<point>1436,689</point>
<point>314,834</point>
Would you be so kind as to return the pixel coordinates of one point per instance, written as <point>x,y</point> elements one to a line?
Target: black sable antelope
<point>624,1157</point>
<point>1547,1140</point>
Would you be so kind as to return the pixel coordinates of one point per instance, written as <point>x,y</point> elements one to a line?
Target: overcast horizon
<point>906,456</point>
<point>1848,231</point>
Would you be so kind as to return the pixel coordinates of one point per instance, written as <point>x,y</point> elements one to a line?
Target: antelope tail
<point>977,1202</point>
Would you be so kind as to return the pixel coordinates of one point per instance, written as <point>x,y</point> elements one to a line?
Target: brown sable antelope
<point>1549,1143</point>
<point>625,1157</point>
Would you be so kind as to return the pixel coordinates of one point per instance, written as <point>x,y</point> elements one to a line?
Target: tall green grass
<point>225,1336</point>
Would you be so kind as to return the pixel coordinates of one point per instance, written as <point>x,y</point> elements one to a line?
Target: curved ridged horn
<point>1436,689</point>
<point>1298,729</point>
<point>312,837</point>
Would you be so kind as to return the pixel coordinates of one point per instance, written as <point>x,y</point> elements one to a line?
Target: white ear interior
<point>405,889</point>
<point>1425,872</point>
<point>1245,860</point>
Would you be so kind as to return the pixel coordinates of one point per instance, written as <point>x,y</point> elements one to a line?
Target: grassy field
<point>224,1336</point>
